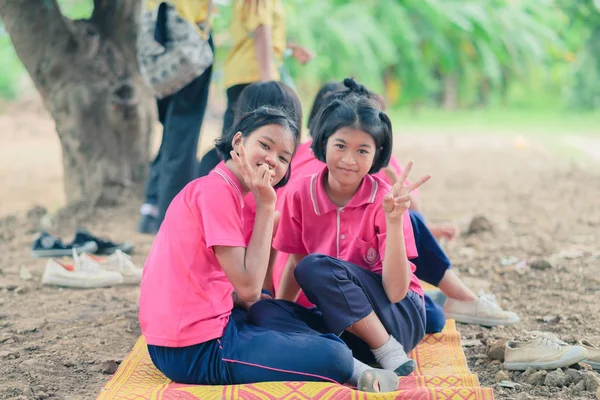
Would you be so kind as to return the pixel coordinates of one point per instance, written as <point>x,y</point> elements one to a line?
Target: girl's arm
<point>288,287</point>
<point>302,54</point>
<point>263,47</point>
<point>268,284</point>
<point>396,272</point>
<point>246,267</point>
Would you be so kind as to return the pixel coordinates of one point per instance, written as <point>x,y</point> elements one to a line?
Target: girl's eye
<point>283,160</point>
<point>363,151</point>
<point>264,145</point>
<point>339,146</point>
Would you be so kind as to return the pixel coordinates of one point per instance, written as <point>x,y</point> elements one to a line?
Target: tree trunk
<point>450,101</point>
<point>87,74</point>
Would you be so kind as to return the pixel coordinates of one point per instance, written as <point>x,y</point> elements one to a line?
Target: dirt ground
<point>64,344</point>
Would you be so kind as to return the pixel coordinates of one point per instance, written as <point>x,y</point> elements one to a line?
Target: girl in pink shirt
<point>335,225</point>
<point>433,266</point>
<point>201,265</point>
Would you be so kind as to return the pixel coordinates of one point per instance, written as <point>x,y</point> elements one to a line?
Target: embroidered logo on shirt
<point>371,256</point>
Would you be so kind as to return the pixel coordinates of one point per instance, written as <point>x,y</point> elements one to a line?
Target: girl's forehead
<point>353,134</point>
<point>276,134</point>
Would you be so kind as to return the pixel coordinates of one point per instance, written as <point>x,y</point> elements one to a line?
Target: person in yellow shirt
<point>259,44</point>
<point>181,115</point>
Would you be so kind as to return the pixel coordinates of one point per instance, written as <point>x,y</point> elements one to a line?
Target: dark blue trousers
<point>175,165</point>
<point>249,354</point>
<point>431,264</point>
<point>344,294</point>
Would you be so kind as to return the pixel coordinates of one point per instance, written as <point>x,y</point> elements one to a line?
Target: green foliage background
<point>516,54</point>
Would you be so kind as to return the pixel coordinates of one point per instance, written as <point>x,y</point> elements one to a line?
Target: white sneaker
<point>483,311</point>
<point>121,263</point>
<point>82,274</point>
<point>593,357</point>
<point>544,351</point>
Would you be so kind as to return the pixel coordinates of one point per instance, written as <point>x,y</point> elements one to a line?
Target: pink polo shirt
<point>185,297</point>
<point>311,223</point>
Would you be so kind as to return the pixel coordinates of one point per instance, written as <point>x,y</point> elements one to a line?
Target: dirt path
<point>63,344</point>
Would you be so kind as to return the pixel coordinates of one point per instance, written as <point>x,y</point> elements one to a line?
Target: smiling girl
<point>201,265</point>
<point>335,225</point>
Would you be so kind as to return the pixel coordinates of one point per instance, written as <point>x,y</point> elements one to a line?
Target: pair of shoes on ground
<point>545,350</point>
<point>484,311</point>
<point>46,245</point>
<point>88,271</point>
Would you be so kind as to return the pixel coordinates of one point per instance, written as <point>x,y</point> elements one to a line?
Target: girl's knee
<point>262,311</point>
<point>308,267</point>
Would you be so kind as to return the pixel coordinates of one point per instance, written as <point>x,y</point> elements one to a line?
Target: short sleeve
<point>255,13</point>
<point>409,237</point>
<point>289,232</point>
<point>221,218</point>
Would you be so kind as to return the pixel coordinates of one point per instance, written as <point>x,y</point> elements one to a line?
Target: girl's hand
<point>447,231</point>
<point>257,180</point>
<point>301,54</point>
<point>397,201</point>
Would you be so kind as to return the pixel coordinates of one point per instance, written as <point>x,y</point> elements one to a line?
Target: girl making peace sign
<point>335,225</point>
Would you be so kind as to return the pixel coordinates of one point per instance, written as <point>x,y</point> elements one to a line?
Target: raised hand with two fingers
<point>397,201</point>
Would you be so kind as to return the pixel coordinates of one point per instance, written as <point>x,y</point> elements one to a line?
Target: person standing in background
<point>259,45</point>
<point>181,115</point>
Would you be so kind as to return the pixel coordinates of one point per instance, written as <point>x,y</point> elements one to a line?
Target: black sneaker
<point>105,246</point>
<point>49,246</point>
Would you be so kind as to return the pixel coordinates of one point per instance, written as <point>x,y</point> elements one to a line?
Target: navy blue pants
<point>344,294</point>
<point>175,165</point>
<point>431,264</point>
<point>250,354</point>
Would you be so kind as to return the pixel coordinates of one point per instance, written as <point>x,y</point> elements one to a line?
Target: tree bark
<point>450,100</point>
<point>87,74</point>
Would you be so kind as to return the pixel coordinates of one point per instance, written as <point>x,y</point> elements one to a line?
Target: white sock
<point>364,378</point>
<point>391,355</point>
<point>359,368</point>
<point>149,209</point>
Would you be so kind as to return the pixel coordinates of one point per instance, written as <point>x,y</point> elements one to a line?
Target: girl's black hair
<point>355,108</point>
<point>253,120</point>
<point>272,94</point>
<point>321,99</point>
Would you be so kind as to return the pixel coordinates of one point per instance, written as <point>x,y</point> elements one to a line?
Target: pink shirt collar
<point>365,194</point>
<point>225,173</point>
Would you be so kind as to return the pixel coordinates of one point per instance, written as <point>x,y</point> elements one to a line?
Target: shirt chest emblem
<point>371,256</point>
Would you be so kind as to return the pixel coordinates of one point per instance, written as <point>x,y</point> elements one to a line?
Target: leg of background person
<point>435,319</point>
<point>178,163</point>
<point>208,162</point>
<point>212,158</point>
<point>148,221</point>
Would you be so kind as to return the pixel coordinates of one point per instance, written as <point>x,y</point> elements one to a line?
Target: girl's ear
<point>236,141</point>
